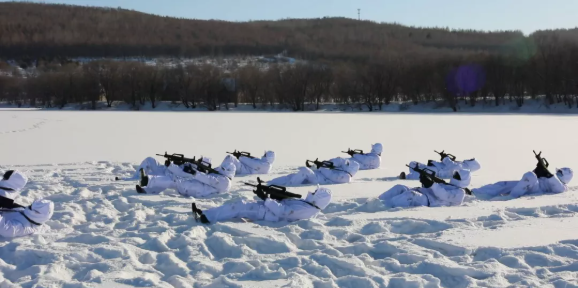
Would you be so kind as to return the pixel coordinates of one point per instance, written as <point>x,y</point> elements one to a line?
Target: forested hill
<point>34,30</point>
<point>381,63</point>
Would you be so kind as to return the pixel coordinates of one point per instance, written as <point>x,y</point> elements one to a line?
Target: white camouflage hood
<point>471,164</point>
<point>40,211</point>
<point>228,169</point>
<point>565,175</point>
<point>320,198</point>
<point>377,148</point>
<point>465,178</point>
<point>269,157</point>
<point>13,181</point>
<point>350,167</point>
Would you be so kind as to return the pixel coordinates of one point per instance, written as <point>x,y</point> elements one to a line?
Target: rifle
<point>201,167</point>
<point>320,164</point>
<point>353,152</point>
<point>431,175</point>
<point>444,155</point>
<point>542,166</point>
<point>542,161</point>
<point>271,191</point>
<point>435,179</point>
<point>238,154</point>
<point>177,159</point>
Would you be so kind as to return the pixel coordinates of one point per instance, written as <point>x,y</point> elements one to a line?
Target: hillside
<point>31,29</point>
<point>341,61</point>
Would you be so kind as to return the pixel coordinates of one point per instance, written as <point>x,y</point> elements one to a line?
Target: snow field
<point>103,234</point>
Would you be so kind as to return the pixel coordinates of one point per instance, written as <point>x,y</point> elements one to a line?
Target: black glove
<point>542,167</point>
<point>542,172</point>
<point>425,180</point>
<point>8,203</point>
<point>260,193</point>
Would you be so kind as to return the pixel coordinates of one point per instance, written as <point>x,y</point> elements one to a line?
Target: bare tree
<point>251,83</point>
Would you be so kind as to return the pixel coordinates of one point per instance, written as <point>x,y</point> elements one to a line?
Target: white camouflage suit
<point>343,172</point>
<point>529,184</point>
<point>198,185</point>
<point>444,169</point>
<point>20,222</point>
<point>247,165</point>
<point>272,210</point>
<point>435,196</point>
<point>371,160</point>
<point>152,166</point>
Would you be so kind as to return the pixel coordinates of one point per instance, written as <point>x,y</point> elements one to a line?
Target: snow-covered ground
<point>536,106</point>
<point>105,235</point>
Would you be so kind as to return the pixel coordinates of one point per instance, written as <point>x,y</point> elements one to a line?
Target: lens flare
<point>465,79</point>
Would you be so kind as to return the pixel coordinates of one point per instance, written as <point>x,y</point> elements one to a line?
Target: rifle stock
<point>444,155</point>
<point>541,160</point>
<point>238,154</point>
<point>353,152</point>
<point>320,164</point>
<point>177,159</point>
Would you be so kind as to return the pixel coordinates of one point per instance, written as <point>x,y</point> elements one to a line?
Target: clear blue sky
<point>525,15</point>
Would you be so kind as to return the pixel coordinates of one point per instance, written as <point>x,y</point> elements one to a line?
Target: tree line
<point>545,64</point>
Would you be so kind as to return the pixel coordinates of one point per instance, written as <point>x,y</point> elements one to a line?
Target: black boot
<point>402,175</point>
<point>204,219</point>
<point>198,213</point>
<point>140,190</point>
<point>144,179</point>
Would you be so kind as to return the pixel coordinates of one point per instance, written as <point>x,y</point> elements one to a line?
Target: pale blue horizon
<point>490,15</point>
